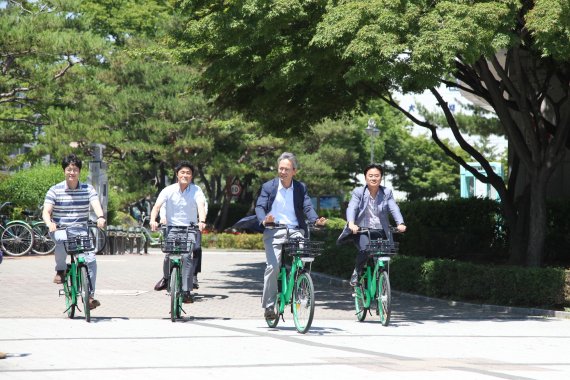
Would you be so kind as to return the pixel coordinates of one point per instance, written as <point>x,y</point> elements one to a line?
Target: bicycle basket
<point>79,244</point>
<point>382,247</point>
<point>303,247</point>
<point>176,245</point>
<point>178,240</point>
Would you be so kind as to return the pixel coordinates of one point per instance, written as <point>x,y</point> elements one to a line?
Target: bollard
<point>112,239</point>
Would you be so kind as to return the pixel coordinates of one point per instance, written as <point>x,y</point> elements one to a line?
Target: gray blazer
<point>357,206</point>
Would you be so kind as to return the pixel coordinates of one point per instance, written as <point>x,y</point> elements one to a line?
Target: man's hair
<point>69,160</point>
<point>374,166</point>
<point>288,156</point>
<point>183,164</point>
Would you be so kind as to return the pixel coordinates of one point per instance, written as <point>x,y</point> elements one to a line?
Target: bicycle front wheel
<point>359,300</point>
<point>384,298</point>
<point>17,239</point>
<point>43,244</point>
<point>84,292</point>
<point>175,294</point>
<point>303,302</point>
<point>70,295</point>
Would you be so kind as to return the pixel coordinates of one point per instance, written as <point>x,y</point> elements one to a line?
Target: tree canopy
<point>292,62</point>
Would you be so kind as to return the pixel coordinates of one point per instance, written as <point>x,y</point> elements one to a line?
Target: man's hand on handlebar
<point>353,227</point>
<point>269,219</point>
<point>321,221</point>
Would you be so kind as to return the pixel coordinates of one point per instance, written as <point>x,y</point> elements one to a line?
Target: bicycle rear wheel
<point>84,291</point>
<point>70,295</point>
<point>17,239</point>
<point>359,300</point>
<point>303,302</point>
<point>175,294</point>
<point>43,244</point>
<point>384,298</point>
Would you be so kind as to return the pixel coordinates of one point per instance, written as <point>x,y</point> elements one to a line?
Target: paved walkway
<point>223,334</point>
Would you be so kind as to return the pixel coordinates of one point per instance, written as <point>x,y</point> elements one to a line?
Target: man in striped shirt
<point>68,203</point>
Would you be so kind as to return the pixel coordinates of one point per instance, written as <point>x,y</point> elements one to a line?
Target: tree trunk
<point>537,222</point>
<point>518,230</point>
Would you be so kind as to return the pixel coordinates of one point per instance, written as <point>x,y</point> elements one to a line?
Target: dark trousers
<point>361,242</point>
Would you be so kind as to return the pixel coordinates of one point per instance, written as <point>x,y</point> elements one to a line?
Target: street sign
<point>235,189</point>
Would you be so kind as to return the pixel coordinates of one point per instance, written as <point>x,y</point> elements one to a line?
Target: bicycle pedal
<point>61,292</point>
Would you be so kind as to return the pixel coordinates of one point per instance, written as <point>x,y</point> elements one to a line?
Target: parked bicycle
<point>76,284</point>
<point>149,240</point>
<point>295,285</point>
<point>176,244</point>
<point>373,288</point>
<point>16,236</point>
<point>100,236</point>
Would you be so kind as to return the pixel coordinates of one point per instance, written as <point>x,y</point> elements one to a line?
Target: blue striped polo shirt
<point>70,206</point>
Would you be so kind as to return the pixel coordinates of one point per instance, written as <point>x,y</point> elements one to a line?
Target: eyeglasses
<point>284,170</point>
<point>183,172</point>
<point>72,170</point>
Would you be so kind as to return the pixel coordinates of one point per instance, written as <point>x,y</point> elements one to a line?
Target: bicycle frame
<point>72,276</point>
<point>287,282</point>
<point>175,246</point>
<point>295,286</point>
<point>77,281</point>
<point>381,263</point>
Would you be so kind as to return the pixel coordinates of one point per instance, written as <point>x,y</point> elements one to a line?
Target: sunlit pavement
<point>223,334</point>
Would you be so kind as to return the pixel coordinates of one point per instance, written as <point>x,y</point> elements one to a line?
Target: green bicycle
<point>175,246</point>
<point>373,289</point>
<point>296,285</point>
<point>76,284</point>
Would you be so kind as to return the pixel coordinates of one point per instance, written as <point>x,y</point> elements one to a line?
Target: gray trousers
<point>273,240</point>
<point>59,237</point>
<point>187,264</point>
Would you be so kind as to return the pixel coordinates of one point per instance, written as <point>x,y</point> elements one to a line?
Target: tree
<point>293,62</point>
<point>42,45</point>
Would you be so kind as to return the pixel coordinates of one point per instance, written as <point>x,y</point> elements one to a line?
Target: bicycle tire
<point>17,238</point>
<point>384,298</point>
<point>175,294</point>
<point>84,290</point>
<point>303,302</point>
<point>70,296</point>
<point>359,301</point>
<point>100,238</point>
<point>275,321</point>
<point>43,243</point>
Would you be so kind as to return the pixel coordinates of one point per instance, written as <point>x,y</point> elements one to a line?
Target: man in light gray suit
<point>368,208</point>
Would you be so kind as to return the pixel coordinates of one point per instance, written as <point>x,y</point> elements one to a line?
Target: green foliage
<point>27,188</point>
<point>469,229</point>
<point>292,63</point>
<point>43,49</point>
<point>501,285</point>
<point>233,241</point>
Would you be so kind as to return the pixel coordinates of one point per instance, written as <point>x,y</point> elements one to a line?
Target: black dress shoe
<point>269,313</point>
<point>187,297</point>
<point>161,285</point>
